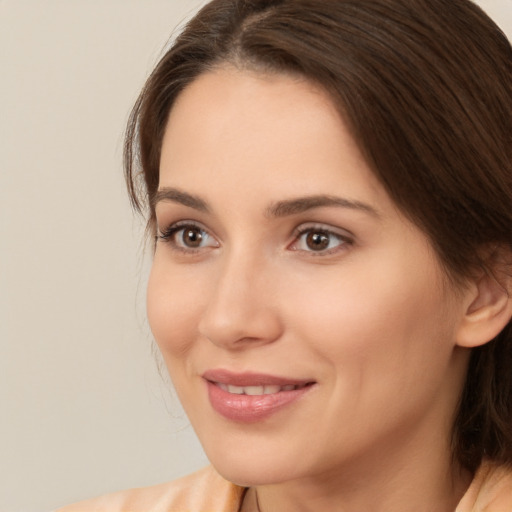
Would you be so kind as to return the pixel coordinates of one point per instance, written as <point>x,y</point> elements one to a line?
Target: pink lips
<point>267,394</point>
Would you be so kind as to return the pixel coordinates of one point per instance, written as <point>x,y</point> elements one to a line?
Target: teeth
<point>256,390</point>
<point>235,390</point>
<point>253,390</point>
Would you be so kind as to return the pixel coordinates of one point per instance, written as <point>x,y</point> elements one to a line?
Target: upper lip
<point>251,379</point>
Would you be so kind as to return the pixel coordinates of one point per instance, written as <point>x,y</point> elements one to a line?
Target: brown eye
<point>317,241</point>
<point>192,237</point>
<point>188,237</point>
<point>321,241</point>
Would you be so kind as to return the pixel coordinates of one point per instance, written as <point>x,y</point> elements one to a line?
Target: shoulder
<point>203,491</point>
<point>490,491</point>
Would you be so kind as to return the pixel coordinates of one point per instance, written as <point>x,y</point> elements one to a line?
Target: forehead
<point>234,125</point>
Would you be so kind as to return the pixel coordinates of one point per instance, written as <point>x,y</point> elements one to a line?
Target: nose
<point>242,308</point>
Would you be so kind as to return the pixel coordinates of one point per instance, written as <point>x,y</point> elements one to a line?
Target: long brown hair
<point>426,89</point>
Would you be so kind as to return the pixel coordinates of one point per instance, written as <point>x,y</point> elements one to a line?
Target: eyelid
<point>171,226</point>
<point>166,235</point>
<point>346,238</point>
<point>322,226</point>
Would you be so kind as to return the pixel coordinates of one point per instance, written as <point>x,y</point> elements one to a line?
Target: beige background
<point>83,409</point>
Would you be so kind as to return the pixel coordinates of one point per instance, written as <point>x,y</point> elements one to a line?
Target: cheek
<point>384,314</point>
<point>173,305</point>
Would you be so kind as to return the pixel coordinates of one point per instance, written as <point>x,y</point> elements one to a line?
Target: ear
<point>488,309</point>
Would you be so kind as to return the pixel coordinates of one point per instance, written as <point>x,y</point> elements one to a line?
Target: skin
<point>371,319</point>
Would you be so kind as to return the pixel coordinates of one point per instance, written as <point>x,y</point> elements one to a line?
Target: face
<point>306,324</point>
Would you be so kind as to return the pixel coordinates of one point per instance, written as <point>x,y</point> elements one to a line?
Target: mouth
<point>247,380</point>
<point>251,397</point>
<point>270,389</point>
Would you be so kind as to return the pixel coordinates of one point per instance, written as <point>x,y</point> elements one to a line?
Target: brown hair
<point>426,89</point>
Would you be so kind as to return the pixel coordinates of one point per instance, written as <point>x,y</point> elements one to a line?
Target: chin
<point>251,473</point>
<point>251,466</point>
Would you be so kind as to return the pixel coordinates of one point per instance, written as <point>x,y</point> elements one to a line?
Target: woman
<point>329,188</point>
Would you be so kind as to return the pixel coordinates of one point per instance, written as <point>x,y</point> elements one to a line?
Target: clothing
<point>490,491</point>
<point>203,491</point>
<point>207,491</point>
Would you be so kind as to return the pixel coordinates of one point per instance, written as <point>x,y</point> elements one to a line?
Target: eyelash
<point>344,240</point>
<point>167,236</point>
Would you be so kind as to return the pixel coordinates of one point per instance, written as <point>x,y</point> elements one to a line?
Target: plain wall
<point>83,408</point>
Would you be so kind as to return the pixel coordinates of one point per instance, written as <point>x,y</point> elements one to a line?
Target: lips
<point>252,397</point>
<point>251,379</point>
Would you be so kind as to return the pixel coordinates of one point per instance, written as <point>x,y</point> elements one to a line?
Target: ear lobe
<point>488,311</point>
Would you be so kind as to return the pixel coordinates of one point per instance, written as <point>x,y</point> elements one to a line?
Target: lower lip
<point>251,408</point>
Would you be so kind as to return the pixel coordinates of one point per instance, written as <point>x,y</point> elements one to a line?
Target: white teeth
<point>253,390</point>
<point>256,390</point>
<point>236,390</point>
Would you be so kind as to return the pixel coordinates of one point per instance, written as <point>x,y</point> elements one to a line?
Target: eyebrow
<point>303,204</point>
<point>278,209</point>
<point>175,195</point>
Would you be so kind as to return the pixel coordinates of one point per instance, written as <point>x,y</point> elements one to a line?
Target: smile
<point>249,397</point>
<point>257,390</point>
